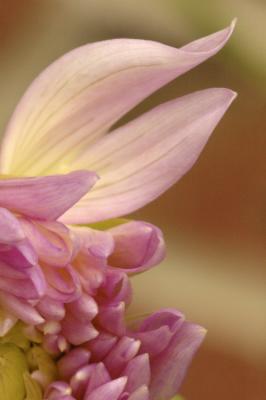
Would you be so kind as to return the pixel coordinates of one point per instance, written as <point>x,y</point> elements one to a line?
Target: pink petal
<point>68,364</point>
<point>84,308</point>
<point>156,331</point>
<point>78,97</point>
<point>20,309</point>
<point>51,309</point>
<point>138,372</point>
<point>45,197</point>
<point>124,351</point>
<point>111,318</point>
<point>101,345</point>
<point>98,377</point>
<point>138,246</point>
<point>64,283</point>
<point>58,391</point>
<point>20,255</point>
<point>140,394</point>
<point>51,241</point>
<point>77,332</point>
<point>88,378</point>
<point>10,229</point>
<point>110,390</point>
<point>141,160</point>
<point>30,288</point>
<point>169,367</point>
<point>116,288</point>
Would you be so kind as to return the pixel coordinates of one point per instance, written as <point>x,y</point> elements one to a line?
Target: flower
<point>62,124</point>
<point>147,362</point>
<point>61,167</point>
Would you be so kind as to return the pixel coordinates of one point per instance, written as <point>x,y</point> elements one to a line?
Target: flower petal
<point>141,393</point>
<point>110,390</point>
<point>169,367</point>
<point>142,159</point>
<point>156,331</point>
<point>10,229</point>
<point>138,246</point>
<point>45,197</point>
<point>20,309</point>
<point>80,96</point>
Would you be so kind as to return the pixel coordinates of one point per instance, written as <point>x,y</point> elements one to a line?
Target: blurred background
<point>214,219</point>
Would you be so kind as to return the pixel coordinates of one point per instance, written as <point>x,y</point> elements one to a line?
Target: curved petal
<point>20,309</point>
<point>138,246</point>
<point>142,159</point>
<point>45,197</point>
<point>169,367</point>
<point>110,390</point>
<point>51,241</point>
<point>78,97</point>
<point>157,330</point>
<point>141,393</point>
<point>10,229</point>
<point>138,372</point>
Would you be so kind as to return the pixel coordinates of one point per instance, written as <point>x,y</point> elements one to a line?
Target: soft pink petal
<point>10,228</point>
<point>20,309</point>
<point>78,97</point>
<point>139,161</point>
<point>63,283</point>
<point>20,255</point>
<point>110,390</point>
<point>116,288</point>
<point>101,345</point>
<point>69,363</point>
<point>169,367</point>
<point>140,394</point>
<point>156,331</point>
<point>138,246</point>
<point>51,241</point>
<point>84,308</point>
<point>58,390</point>
<point>88,378</point>
<point>51,309</point>
<point>77,332</point>
<point>124,351</point>
<point>99,376</point>
<point>111,318</point>
<point>45,197</point>
<point>138,372</point>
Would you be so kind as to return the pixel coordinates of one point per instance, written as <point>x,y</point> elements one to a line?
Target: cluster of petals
<point>145,362</point>
<point>62,165</point>
<point>51,274</point>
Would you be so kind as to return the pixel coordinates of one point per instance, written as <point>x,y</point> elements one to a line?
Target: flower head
<point>63,165</point>
<point>147,362</point>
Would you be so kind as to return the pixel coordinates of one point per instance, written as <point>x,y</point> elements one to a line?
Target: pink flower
<point>62,124</point>
<point>147,362</point>
<point>60,165</point>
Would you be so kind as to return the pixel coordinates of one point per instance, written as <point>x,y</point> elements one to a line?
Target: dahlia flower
<point>63,166</point>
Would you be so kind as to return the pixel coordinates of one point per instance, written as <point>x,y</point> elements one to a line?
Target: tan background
<point>214,218</point>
